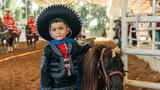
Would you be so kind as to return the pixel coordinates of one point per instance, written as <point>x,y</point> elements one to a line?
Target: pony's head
<point>28,27</point>
<point>102,67</point>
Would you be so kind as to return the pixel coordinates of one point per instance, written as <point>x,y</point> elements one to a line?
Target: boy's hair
<point>56,21</point>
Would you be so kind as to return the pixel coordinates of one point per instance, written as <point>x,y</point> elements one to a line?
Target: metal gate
<point>138,18</point>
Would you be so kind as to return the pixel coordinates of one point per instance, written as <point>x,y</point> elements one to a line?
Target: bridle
<point>103,73</point>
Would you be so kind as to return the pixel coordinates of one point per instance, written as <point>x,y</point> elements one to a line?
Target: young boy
<point>59,24</point>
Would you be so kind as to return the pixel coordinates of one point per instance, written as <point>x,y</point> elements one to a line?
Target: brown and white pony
<point>5,35</point>
<point>16,35</point>
<point>102,68</point>
<point>31,38</point>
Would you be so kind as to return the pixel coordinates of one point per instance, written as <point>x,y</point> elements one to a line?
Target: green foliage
<point>23,12</point>
<point>18,15</point>
<point>99,13</point>
<point>84,11</point>
<point>90,12</point>
<point>11,4</point>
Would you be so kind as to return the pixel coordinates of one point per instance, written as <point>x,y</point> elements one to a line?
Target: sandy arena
<point>20,69</point>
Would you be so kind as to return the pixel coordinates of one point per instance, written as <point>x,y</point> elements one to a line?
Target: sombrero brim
<point>7,10</point>
<point>30,16</point>
<point>58,11</point>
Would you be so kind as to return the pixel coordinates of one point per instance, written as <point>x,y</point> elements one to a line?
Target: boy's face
<point>7,12</point>
<point>31,17</point>
<point>59,31</point>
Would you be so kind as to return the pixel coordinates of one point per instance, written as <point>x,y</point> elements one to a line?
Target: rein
<point>107,80</point>
<point>103,72</point>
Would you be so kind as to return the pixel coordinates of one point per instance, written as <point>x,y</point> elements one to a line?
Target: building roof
<point>113,6</point>
<point>45,3</point>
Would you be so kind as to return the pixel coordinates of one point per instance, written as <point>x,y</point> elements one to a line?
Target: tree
<point>18,14</point>
<point>90,13</point>
<point>82,10</point>
<point>99,13</point>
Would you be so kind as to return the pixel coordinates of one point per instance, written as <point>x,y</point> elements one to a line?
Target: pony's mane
<point>107,44</point>
<point>90,70</point>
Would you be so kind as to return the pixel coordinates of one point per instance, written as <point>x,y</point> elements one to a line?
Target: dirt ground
<point>22,70</point>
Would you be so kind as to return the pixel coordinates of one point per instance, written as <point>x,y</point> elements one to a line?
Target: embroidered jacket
<point>54,75</point>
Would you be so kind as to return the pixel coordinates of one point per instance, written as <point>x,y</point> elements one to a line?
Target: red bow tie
<point>63,50</point>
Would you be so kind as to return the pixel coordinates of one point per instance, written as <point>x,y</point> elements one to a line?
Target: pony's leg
<point>11,43</point>
<point>14,43</point>
<point>31,43</point>
<point>8,49</point>
<point>17,40</point>
<point>5,46</point>
<point>27,44</point>
<point>35,43</point>
<point>2,45</point>
<point>35,40</point>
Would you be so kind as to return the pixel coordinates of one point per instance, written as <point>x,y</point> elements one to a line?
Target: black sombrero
<point>58,11</point>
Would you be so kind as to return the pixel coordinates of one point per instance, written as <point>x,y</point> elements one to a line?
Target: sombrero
<point>58,11</point>
<point>31,16</point>
<point>7,10</point>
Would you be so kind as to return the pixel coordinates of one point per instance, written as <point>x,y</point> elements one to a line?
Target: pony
<point>101,67</point>
<point>29,37</point>
<point>5,35</point>
<point>16,35</point>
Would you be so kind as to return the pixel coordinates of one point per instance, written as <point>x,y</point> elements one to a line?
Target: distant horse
<point>6,35</point>
<point>102,68</point>
<point>30,36</point>
<point>16,36</point>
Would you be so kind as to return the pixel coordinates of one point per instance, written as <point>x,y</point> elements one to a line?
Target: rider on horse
<point>16,30</point>
<point>7,19</point>
<point>10,23</point>
<point>32,26</point>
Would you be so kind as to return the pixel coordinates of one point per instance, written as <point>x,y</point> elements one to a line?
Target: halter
<point>103,72</point>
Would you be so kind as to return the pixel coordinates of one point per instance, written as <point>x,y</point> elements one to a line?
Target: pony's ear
<point>116,51</point>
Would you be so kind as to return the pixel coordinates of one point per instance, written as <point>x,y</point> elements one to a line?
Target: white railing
<point>127,50</point>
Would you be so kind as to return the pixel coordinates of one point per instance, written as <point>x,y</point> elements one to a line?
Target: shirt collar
<point>68,40</point>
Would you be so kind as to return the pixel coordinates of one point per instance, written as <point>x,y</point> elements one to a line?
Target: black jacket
<point>53,73</point>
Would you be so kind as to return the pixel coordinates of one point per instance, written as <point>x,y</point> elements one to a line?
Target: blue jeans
<point>158,38</point>
<point>119,42</point>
